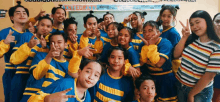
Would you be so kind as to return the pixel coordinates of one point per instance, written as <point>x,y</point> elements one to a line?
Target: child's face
<point>198,26</point>
<point>44,27</point>
<point>167,18</point>
<point>217,22</point>
<point>116,60</point>
<point>90,74</point>
<point>91,24</point>
<point>149,32</point>
<point>71,29</point>
<point>147,90</point>
<point>124,37</point>
<point>59,15</point>
<point>20,16</point>
<point>112,31</point>
<point>134,21</point>
<point>108,19</point>
<point>59,43</point>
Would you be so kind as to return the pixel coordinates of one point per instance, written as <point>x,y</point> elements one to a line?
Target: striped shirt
<point>198,58</point>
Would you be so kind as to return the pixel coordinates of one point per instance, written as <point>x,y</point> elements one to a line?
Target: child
<point>199,63</point>
<point>216,95</point>
<point>91,35</point>
<point>136,19</point>
<point>156,53</point>
<point>18,16</point>
<point>125,36</point>
<point>113,86</point>
<point>168,15</point>
<point>146,88</point>
<point>70,28</point>
<point>58,15</point>
<point>21,56</point>
<point>107,19</point>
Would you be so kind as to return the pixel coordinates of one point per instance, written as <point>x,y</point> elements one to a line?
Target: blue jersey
<point>110,88</point>
<point>172,35</point>
<point>91,40</point>
<point>55,29</point>
<point>66,83</point>
<point>3,35</point>
<point>105,36</point>
<point>133,57</point>
<point>136,41</point>
<point>107,46</point>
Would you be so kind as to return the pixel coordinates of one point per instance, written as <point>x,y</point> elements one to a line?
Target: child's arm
<point>23,52</point>
<point>181,45</point>
<point>84,40</point>
<point>43,66</point>
<point>145,41</point>
<point>5,44</point>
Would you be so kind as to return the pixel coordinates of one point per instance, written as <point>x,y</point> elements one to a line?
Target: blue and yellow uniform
<point>165,79</point>
<point>105,36</point>
<point>133,57</point>
<point>69,49</point>
<point>112,88</point>
<point>22,70</point>
<point>136,41</point>
<point>106,47</point>
<point>44,74</point>
<point>96,44</point>
<point>9,68</point>
<point>55,29</point>
<point>174,37</point>
<point>61,85</point>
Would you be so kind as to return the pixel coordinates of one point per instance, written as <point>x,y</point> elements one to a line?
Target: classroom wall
<point>186,9</point>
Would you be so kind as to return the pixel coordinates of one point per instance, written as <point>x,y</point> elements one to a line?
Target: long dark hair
<point>210,27</point>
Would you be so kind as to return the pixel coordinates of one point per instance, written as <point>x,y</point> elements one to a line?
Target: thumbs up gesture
<point>33,42</point>
<point>10,38</point>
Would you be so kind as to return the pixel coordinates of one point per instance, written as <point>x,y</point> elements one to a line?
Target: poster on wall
<point>102,7</point>
<point>2,13</point>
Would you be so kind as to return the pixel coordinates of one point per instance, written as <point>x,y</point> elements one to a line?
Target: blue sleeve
<point>174,37</point>
<point>165,49</point>
<point>37,58</point>
<point>21,40</point>
<point>130,91</point>
<point>133,57</point>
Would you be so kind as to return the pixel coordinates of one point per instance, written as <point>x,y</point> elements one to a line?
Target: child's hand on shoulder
<point>154,39</point>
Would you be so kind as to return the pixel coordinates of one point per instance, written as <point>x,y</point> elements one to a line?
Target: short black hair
<point>141,79</point>
<point>142,14</point>
<point>87,61</point>
<point>90,15</point>
<point>12,10</point>
<point>57,33</point>
<point>45,17</point>
<point>216,16</point>
<point>125,53</point>
<point>69,21</point>
<point>54,9</point>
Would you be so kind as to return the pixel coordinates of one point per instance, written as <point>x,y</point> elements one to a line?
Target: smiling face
<point>167,18</point>
<point>112,31</point>
<point>20,16</point>
<point>90,74</point>
<point>149,32</point>
<point>91,24</point>
<point>108,19</point>
<point>198,26</point>
<point>147,91</point>
<point>44,27</point>
<point>116,60</point>
<point>71,30</point>
<point>59,15</point>
<point>59,42</point>
<point>124,37</point>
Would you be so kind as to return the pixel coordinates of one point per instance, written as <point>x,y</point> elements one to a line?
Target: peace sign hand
<point>59,96</point>
<point>185,29</point>
<point>33,41</point>
<point>154,39</point>
<point>43,42</point>
<point>10,38</point>
<point>53,51</point>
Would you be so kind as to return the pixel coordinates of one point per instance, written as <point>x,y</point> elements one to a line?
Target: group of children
<point>109,61</point>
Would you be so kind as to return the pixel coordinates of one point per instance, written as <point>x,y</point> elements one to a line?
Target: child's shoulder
<point>164,42</point>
